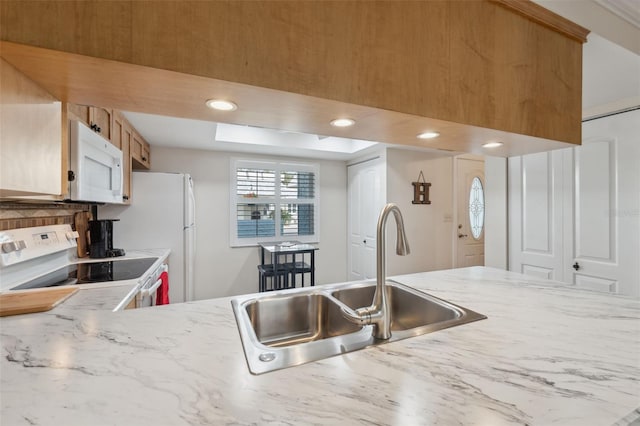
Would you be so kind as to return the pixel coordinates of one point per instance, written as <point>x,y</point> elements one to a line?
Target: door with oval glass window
<point>470,212</point>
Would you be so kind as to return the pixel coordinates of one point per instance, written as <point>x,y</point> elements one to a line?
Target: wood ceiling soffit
<point>494,68</point>
<point>546,17</point>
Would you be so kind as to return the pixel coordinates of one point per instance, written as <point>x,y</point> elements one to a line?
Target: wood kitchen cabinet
<point>32,160</point>
<point>93,117</point>
<point>35,162</point>
<point>80,113</point>
<point>117,125</point>
<point>101,120</point>
<point>121,138</point>
<point>140,151</point>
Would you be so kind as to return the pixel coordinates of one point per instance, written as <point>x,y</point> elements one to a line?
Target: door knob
<point>576,266</point>
<point>462,235</point>
<point>364,241</point>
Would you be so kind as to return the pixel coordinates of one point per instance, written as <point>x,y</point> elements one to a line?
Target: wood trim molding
<point>545,17</point>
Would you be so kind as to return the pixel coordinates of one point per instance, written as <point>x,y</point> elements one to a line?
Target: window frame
<point>278,166</point>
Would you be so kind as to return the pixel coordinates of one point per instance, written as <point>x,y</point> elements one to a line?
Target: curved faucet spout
<point>379,313</point>
<point>380,299</point>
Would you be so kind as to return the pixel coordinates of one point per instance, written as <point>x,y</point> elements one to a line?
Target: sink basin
<point>409,309</point>
<point>296,318</point>
<point>291,327</point>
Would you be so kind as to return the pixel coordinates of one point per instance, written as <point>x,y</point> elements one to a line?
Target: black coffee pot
<point>101,239</point>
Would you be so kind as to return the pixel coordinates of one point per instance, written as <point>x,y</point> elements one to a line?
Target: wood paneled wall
<point>471,62</point>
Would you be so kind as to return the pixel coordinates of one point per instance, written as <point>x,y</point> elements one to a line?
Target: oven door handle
<point>146,291</point>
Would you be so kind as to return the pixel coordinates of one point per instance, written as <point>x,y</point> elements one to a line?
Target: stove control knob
<point>13,246</point>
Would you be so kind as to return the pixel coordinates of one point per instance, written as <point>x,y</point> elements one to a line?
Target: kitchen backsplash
<point>23,215</point>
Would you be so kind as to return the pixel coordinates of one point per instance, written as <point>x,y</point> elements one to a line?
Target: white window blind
<point>273,201</point>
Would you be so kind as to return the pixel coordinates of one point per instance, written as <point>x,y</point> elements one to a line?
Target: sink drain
<point>267,356</point>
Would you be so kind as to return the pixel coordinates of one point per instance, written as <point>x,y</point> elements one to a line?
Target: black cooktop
<point>94,272</point>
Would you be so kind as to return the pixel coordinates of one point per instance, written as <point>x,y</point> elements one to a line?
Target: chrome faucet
<point>379,313</point>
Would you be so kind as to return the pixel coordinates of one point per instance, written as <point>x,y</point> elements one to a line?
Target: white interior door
<point>605,254</point>
<point>536,208</point>
<point>574,214</point>
<point>366,198</point>
<point>470,212</point>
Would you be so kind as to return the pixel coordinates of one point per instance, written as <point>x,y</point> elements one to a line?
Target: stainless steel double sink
<point>292,327</point>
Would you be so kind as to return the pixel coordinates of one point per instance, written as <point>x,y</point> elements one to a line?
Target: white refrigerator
<point>161,215</point>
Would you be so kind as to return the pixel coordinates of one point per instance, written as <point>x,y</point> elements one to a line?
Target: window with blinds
<point>273,201</point>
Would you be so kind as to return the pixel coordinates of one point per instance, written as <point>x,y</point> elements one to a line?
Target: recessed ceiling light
<point>343,122</point>
<point>221,105</point>
<point>428,135</point>
<point>492,144</point>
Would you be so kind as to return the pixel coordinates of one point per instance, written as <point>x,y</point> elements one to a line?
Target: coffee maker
<point>101,239</point>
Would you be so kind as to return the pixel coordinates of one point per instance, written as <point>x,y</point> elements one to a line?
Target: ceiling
<point>176,132</point>
<point>615,20</point>
<point>611,74</point>
<point>629,10</point>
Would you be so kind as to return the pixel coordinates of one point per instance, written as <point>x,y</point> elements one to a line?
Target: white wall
<point>224,271</point>
<point>495,218</point>
<point>429,227</point>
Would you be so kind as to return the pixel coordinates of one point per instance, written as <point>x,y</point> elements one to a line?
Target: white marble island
<point>545,355</point>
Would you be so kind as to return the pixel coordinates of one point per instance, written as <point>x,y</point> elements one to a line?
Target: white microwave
<point>95,166</point>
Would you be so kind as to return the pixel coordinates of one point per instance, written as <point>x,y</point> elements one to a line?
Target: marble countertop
<point>545,355</point>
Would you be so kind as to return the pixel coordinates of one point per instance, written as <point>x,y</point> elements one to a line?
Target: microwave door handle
<point>117,184</point>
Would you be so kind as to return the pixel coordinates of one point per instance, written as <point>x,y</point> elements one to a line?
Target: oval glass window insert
<point>476,207</point>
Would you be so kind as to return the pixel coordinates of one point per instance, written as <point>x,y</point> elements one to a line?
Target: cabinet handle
<point>576,266</point>
<point>125,197</point>
<point>144,158</point>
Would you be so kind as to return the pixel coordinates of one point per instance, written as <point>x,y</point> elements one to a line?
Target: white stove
<point>45,256</point>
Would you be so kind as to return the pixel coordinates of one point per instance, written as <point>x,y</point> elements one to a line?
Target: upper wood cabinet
<point>140,151</point>
<point>121,138</point>
<point>31,146</point>
<point>117,125</point>
<point>97,118</point>
<point>100,121</point>
<point>81,113</point>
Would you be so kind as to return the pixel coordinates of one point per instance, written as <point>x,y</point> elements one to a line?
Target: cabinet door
<point>116,131</point>
<point>121,137</point>
<point>146,154</point>
<point>140,151</point>
<point>30,137</point>
<point>136,146</point>
<point>80,113</point>
<point>126,155</point>
<point>101,117</point>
